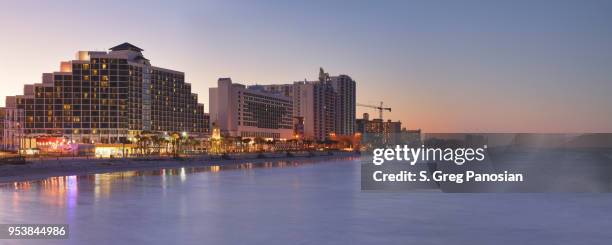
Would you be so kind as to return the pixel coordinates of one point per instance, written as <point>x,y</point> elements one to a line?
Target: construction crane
<point>380,109</point>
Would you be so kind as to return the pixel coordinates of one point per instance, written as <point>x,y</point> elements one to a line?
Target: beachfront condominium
<point>345,89</point>
<point>324,108</point>
<point>250,112</point>
<point>315,104</point>
<point>104,97</point>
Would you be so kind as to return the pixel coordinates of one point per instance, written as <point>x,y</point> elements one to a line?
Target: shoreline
<point>40,169</point>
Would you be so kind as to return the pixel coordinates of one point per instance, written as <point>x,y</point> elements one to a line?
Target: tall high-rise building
<point>106,97</point>
<point>241,111</point>
<point>325,107</point>
<point>345,88</point>
<point>314,103</point>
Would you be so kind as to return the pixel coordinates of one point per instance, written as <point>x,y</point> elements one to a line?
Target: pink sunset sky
<point>470,66</point>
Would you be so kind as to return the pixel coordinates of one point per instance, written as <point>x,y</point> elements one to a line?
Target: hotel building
<point>104,97</point>
<point>250,112</point>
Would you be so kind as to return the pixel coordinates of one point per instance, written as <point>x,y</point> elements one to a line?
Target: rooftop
<point>126,46</point>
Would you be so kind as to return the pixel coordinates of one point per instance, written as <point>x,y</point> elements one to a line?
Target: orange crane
<point>380,109</point>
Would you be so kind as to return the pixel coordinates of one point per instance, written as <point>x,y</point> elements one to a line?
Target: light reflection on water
<point>63,190</point>
<point>289,202</point>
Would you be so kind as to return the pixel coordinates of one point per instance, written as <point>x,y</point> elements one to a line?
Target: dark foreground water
<point>292,203</point>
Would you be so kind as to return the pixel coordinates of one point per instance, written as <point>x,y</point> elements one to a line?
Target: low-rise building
<point>378,131</point>
<point>12,123</point>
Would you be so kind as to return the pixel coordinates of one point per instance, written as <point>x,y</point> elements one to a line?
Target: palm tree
<point>162,143</point>
<point>259,141</point>
<point>175,136</point>
<point>137,138</point>
<point>190,143</point>
<point>146,141</point>
<point>155,140</point>
<point>123,141</point>
<point>228,144</point>
<point>195,143</point>
<point>159,142</point>
<point>246,142</point>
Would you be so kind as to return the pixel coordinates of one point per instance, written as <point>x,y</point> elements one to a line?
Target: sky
<point>442,66</point>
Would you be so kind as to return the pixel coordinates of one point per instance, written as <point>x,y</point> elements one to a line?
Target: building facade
<point>2,120</point>
<point>106,97</point>
<point>12,122</point>
<point>250,112</point>
<point>206,124</point>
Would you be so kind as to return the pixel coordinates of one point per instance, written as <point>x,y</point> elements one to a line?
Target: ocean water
<point>315,202</point>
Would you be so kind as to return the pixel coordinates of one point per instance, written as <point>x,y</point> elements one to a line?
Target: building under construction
<point>379,132</point>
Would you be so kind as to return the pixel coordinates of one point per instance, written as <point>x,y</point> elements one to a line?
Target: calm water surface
<point>292,203</point>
